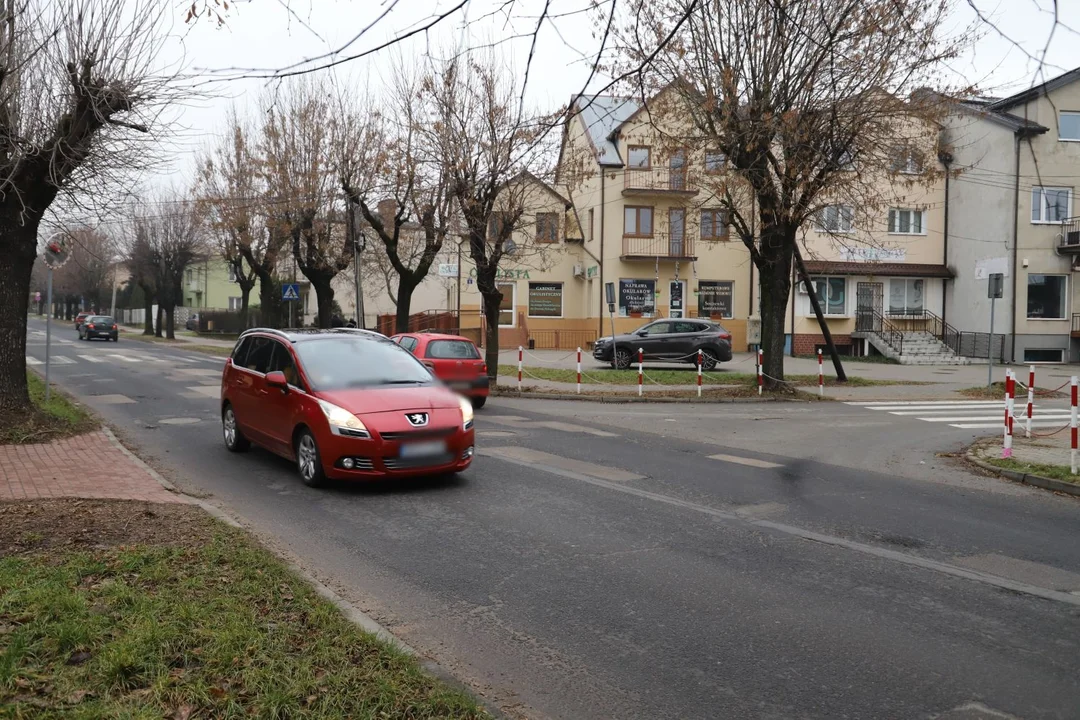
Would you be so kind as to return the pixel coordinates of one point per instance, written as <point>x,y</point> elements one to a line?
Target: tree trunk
<point>268,299</point>
<point>19,243</point>
<point>170,322</point>
<point>492,299</point>
<point>245,295</point>
<point>775,274</point>
<point>404,304</point>
<point>324,297</point>
<point>841,376</point>
<point>157,330</point>
<point>148,316</point>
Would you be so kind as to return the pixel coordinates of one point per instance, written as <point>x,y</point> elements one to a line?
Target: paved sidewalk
<point>1036,451</point>
<point>85,466</point>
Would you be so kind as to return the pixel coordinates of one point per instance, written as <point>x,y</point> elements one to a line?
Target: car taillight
<point>483,368</point>
<point>724,336</point>
<point>113,327</point>
<point>90,325</point>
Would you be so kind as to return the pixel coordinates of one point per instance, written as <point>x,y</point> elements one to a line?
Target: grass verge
<point>716,378</point>
<point>210,350</point>
<point>60,417</point>
<point>118,609</point>
<point>1055,472</point>
<point>997,392</point>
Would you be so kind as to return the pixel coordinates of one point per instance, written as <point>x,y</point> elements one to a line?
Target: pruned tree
<point>80,80</point>
<point>393,176</point>
<point>808,103</point>
<point>141,264</point>
<point>172,235</point>
<point>486,143</point>
<point>304,198</point>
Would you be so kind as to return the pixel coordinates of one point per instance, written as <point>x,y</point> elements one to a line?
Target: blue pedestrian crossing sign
<point>290,291</point>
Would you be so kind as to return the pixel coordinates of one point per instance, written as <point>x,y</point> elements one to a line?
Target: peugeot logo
<point>419,419</point>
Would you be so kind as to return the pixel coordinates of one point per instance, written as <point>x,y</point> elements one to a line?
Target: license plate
<point>460,385</point>
<point>423,449</point>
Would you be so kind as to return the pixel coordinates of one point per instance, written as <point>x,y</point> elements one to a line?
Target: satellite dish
<point>56,251</point>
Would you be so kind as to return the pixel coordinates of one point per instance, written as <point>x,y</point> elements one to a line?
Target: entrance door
<point>677,306</point>
<point>869,303</point>
<point>676,231</point>
<point>677,168</point>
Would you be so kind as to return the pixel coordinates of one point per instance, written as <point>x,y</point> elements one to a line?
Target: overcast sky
<point>262,36</point>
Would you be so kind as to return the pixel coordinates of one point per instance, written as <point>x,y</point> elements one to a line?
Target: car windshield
<point>452,350</point>
<point>103,319</point>
<point>337,363</point>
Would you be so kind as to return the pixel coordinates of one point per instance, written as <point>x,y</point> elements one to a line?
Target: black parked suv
<point>668,341</point>
<point>99,326</point>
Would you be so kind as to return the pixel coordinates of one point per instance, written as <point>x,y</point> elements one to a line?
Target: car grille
<point>406,464</point>
<point>419,434</point>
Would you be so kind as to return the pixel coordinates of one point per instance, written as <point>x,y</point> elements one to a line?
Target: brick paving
<point>86,466</point>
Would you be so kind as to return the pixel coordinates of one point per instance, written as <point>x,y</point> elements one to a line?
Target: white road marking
<point>125,358</point>
<point>1018,426</point>
<point>60,360</point>
<point>211,391</point>
<point>927,402</point>
<point>90,358</point>
<point>752,462</point>
<point>972,414</point>
<point>1048,415</point>
<point>33,361</point>
<point>572,428</point>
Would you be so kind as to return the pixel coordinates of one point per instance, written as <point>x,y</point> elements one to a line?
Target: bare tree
<point>806,102</point>
<point>485,143</point>
<point>173,236</point>
<point>79,80</point>
<point>92,252</point>
<point>141,263</point>
<point>304,197</point>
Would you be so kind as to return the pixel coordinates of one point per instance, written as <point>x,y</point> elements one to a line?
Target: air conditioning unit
<point>802,288</point>
<point>579,271</point>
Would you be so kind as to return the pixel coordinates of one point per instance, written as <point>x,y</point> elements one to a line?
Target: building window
<point>639,157</point>
<point>235,303</point>
<point>232,273</point>
<point>637,221</point>
<point>905,296</point>
<point>714,161</point>
<point>906,222</point>
<point>637,298</point>
<point>545,299</point>
<point>1044,355</point>
<point>500,225</point>
<point>835,219</point>
<point>832,295</point>
<point>714,298</point>
<point>1047,296</point>
<point>547,227</point>
<point>507,316</point>
<point>1050,204</point>
<point>1068,125</point>
<point>714,225</point>
<point>906,161</point>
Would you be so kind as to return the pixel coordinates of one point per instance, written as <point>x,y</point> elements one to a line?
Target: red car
<point>454,360</point>
<point>80,317</point>
<point>343,404</point>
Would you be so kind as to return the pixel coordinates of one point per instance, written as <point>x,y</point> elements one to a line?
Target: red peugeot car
<point>454,359</point>
<point>343,404</point>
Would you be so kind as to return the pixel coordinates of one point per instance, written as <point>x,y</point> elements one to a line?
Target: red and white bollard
<point>700,359</point>
<point>1006,444</point>
<point>820,375</point>
<point>760,371</point>
<point>640,371</point>
<point>521,360</point>
<point>579,371</point>
<point>1072,427</point>
<point>1031,397</point>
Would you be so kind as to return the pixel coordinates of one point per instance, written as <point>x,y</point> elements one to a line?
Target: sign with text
<point>545,299</point>
<point>637,298</point>
<point>448,270</point>
<point>714,298</point>
<point>872,254</point>
<point>996,288</point>
<point>675,304</point>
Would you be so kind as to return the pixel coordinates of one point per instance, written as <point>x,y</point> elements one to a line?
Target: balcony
<point>661,245</point>
<point>1070,235</point>
<point>658,181</point>
<point>1075,325</point>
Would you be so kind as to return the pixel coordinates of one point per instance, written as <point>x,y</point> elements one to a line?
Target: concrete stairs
<point>919,348</point>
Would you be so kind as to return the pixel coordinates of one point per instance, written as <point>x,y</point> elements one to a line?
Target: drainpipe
<point>603,207</point>
<point>1016,234</point>
<point>946,160</point>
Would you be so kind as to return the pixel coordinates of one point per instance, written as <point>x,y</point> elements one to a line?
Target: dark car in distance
<point>99,326</point>
<point>668,340</point>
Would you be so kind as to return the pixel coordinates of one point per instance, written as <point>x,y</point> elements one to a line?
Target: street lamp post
<point>359,245</point>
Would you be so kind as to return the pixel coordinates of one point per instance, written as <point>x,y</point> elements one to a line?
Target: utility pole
<point>841,376</point>
<point>113,311</point>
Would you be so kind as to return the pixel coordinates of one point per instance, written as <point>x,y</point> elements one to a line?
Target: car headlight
<point>603,341</point>
<point>343,422</point>
<point>466,413</point>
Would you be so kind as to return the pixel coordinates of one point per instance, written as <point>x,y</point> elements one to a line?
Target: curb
<point>1026,478</point>
<point>352,613</point>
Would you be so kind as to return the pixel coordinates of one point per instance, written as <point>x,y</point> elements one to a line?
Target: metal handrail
<point>873,320</point>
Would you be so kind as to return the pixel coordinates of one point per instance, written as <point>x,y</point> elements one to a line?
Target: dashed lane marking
<point>752,462</point>
<point>33,361</point>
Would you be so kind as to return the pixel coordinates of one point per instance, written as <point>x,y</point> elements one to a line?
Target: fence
<point>418,322</point>
<point>560,339</point>
<point>226,322</point>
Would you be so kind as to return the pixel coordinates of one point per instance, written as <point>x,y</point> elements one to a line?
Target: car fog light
<point>347,463</point>
<point>467,454</point>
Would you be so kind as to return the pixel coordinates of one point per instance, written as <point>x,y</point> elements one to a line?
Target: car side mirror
<point>277,379</point>
<point>642,333</point>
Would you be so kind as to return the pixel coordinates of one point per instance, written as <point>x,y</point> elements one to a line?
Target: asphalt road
<point>600,562</point>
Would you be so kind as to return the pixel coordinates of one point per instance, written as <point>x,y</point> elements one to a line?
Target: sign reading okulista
<point>506,274</point>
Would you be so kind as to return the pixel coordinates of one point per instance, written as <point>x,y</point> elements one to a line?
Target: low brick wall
<point>807,344</point>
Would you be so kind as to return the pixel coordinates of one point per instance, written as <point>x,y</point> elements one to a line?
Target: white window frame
<point>232,272</point>
<point>1041,189</point>
<point>893,221</point>
<point>907,310</point>
<point>562,299</point>
<point>1071,113</point>
<point>825,303</point>
<point>1045,362</point>
<point>235,302</point>
<point>1064,294</point>
<point>842,211</point>
<point>513,304</point>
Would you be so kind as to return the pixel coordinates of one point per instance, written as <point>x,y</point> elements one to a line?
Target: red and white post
<point>760,370</point>
<point>700,359</point>
<point>579,371</point>
<point>1006,444</point>
<point>1031,397</point>
<point>820,375</point>
<point>640,371</point>
<point>1073,427</point>
<point>521,361</point>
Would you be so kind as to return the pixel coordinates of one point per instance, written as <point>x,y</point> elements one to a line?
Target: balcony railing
<point>662,244</point>
<point>643,181</point>
<point>1070,234</point>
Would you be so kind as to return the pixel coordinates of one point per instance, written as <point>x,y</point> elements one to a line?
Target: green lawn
<point>192,620</point>
<point>594,375</point>
<point>1056,472</point>
<point>60,417</point>
<point>210,349</point>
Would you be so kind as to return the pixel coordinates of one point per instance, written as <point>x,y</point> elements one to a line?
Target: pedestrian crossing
<point>122,359</point>
<point>972,414</point>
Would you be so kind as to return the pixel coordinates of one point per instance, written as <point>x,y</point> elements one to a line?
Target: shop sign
<point>448,270</point>
<point>545,299</point>
<point>714,298</point>
<point>592,271</point>
<point>506,274</point>
<point>637,298</point>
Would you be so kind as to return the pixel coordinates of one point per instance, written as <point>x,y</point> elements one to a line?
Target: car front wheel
<point>623,359</point>
<point>708,360</point>
<point>234,439</point>
<point>308,461</point>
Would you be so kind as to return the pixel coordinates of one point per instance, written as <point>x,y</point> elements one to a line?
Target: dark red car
<point>343,404</point>
<point>80,317</point>
<point>454,359</point>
